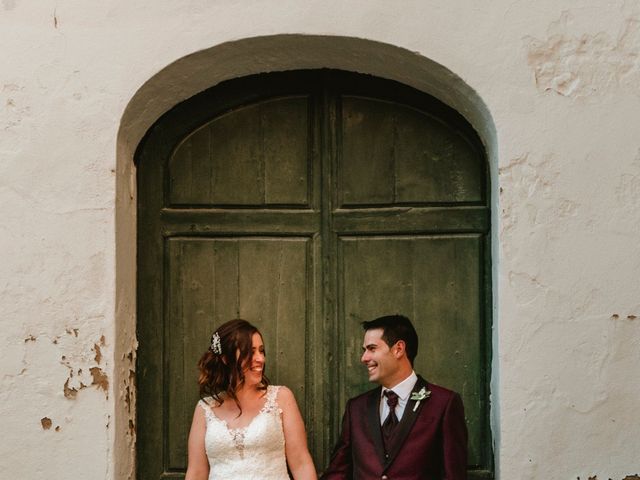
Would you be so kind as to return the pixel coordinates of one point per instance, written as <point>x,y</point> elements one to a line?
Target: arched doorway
<point>307,202</point>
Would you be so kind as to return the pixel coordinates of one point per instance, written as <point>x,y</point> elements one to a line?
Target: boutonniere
<point>423,394</point>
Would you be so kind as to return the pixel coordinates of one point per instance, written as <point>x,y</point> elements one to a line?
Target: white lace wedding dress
<point>253,452</point>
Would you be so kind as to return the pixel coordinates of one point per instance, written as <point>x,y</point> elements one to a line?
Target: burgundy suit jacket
<point>429,443</point>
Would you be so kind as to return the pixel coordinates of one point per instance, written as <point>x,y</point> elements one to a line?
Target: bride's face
<point>254,366</point>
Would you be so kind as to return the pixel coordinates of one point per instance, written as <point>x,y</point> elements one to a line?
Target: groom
<point>406,428</point>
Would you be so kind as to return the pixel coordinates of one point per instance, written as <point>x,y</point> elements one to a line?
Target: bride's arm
<point>295,438</point>
<point>198,465</point>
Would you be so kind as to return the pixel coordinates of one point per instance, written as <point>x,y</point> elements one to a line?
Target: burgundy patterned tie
<point>391,421</point>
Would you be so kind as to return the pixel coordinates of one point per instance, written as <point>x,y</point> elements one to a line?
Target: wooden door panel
<point>212,280</point>
<point>254,155</point>
<point>436,281</point>
<point>395,154</point>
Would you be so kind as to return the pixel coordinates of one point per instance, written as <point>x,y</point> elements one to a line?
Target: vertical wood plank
<point>366,169</point>
<point>174,379</point>
<point>286,144</point>
<point>238,170</point>
<point>292,317</point>
<point>226,283</point>
<point>189,164</point>
<point>273,278</point>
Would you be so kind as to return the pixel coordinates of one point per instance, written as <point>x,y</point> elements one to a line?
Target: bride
<point>243,427</point>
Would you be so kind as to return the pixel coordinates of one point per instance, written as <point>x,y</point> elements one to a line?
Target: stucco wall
<point>554,89</point>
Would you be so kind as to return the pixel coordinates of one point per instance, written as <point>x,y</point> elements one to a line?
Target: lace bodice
<point>253,452</point>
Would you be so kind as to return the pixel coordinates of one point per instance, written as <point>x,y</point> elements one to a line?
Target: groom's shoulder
<point>440,392</point>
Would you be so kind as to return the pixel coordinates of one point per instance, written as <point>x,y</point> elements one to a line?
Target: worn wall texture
<point>554,88</point>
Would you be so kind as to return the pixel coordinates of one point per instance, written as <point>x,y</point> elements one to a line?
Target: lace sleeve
<point>271,404</point>
<point>206,407</point>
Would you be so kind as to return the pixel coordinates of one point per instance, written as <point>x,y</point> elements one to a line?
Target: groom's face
<point>377,356</point>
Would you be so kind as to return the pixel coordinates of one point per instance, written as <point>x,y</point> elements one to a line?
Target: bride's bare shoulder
<point>285,396</point>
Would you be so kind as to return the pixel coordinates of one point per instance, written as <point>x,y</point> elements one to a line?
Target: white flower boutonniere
<point>423,394</point>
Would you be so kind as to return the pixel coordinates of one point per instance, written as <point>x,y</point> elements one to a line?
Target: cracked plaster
<point>588,63</point>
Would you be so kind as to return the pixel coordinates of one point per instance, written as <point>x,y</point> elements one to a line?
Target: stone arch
<point>194,73</point>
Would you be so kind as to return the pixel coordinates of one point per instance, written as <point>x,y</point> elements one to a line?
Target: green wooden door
<point>306,202</point>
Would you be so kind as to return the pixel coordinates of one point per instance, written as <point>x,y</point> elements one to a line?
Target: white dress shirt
<point>403,390</point>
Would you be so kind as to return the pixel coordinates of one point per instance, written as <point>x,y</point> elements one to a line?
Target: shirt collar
<point>403,389</point>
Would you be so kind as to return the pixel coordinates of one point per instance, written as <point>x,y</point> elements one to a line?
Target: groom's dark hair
<point>395,328</point>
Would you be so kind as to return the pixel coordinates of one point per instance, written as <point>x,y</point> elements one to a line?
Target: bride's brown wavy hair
<point>221,375</point>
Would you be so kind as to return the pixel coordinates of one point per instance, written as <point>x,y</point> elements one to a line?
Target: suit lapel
<point>408,419</point>
<point>373,421</point>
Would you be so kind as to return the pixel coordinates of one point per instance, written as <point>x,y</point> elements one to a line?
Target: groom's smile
<point>372,369</point>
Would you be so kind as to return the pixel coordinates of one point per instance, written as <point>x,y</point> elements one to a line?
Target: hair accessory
<point>216,347</point>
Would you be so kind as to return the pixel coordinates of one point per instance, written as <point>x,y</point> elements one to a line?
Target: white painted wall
<point>554,87</point>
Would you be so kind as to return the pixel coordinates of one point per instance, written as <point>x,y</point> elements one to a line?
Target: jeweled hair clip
<point>216,346</point>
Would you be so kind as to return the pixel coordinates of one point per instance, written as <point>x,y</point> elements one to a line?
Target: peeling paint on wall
<point>100,379</point>
<point>628,477</point>
<point>72,331</point>
<point>583,64</point>
<point>82,361</point>
<point>96,348</point>
<point>46,423</point>
<point>129,393</point>
<point>616,316</point>
<point>70,392</point>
